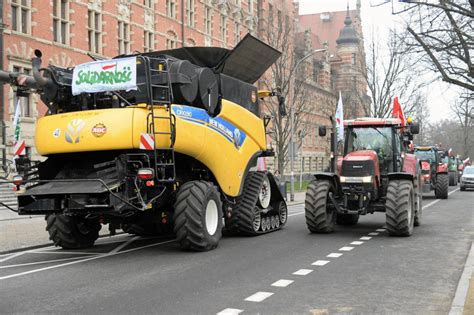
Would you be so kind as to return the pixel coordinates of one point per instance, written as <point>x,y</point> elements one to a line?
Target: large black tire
<point>452,179</point>
<point>197,208</point>
<point>441,188</point>
<point>347,219</point>
<point>418,200</point>
<point>72,232</point>
<point>400,208</point>
<point>318,217</point>
<point>463,188</point>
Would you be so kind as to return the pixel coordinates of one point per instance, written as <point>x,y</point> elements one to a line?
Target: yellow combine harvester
<point>153,143</point>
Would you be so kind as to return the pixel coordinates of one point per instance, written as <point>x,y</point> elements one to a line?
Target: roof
<point>371,121</point>
<point>348,34</point>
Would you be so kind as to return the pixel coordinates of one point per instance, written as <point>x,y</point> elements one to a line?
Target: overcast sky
<point>440,95</point>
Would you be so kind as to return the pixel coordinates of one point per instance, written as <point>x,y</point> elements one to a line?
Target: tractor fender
<point>332,177</point>
<point>410,164</point>
<point>442,169</point>
<point>400,175</point>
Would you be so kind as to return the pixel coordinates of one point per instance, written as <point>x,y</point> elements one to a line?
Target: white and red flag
<point>397,111</point>
<point>340,119</point>
<point>19,144</point>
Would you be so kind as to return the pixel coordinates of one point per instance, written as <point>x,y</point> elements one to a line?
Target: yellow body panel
<point>225,144</point>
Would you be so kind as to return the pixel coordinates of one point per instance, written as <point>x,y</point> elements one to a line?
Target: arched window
<point>171,40</point>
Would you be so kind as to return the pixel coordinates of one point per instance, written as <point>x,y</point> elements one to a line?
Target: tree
<point>463,109</point>
<point>443,33</point>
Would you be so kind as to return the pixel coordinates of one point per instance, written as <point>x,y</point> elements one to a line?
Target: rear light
<point>425,165</point>
<point>17,180</point>
<point>145,173</point>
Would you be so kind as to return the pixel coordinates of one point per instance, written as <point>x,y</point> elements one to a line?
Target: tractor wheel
<point>441,189</point>
<point>452,179</point>
<point>400,208</point>
<point>319,218</point>
<point>198,216</point>
<point>72,232</point>
<point>418,201</point>
<point>347,219</point>
<point>462,188</point>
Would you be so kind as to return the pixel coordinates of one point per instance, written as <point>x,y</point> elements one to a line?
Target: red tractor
<point>434,172</point>
<point>375,174</point>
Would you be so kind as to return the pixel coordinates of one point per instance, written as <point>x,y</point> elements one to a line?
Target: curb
<point>457,307</point>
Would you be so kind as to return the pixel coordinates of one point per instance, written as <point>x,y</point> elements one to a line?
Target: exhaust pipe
<point>36,65</point>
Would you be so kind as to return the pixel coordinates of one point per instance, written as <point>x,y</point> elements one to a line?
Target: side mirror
<point>415,128</point>
<point>322,131</point>
<point>281,106</point>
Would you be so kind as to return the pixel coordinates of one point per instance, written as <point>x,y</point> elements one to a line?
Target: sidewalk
<point>22,232</point>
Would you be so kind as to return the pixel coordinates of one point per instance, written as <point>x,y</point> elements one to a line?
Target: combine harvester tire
<point>72,232</point>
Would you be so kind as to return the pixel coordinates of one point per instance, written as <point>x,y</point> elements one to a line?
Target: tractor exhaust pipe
<point>36,65</point>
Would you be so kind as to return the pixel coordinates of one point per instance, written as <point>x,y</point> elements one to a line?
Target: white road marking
<point>282,283</point>
<point>357,243</point>
<point>40,262</point>
<point>346,249</point>
<point>303,272</point>
<point>290,215</point>
<point>373,234</point>
<point>380,230</point>
<point>83,260</point>
<point>320,262</point>
<point>64,252</point>
<point>259,296</point>
<point>118,248</point>
<point>334,255</point>
<point>230,311</point>
<point>365,238</point>
<point>13,256</point>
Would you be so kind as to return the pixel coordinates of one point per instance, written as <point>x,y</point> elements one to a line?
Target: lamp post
<point>292,131</point>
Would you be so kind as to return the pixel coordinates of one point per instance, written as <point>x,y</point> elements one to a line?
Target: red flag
<point>397,111</point>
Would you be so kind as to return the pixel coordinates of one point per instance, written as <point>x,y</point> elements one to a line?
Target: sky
<point>439,94</point>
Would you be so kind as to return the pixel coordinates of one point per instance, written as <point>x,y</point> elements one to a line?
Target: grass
<point>304,185</point>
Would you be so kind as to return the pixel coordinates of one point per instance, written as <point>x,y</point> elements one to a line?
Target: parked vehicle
<point>467,178</point>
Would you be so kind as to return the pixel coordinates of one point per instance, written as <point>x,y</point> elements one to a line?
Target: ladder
<point>160,95</point>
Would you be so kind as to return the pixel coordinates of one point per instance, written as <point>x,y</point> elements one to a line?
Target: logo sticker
<point>99,130</point>
<point>57,133</point>
<point>73,130</point>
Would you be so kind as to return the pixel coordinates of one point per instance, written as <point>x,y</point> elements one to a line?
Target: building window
<point>280,20</point>
<point>21,15</point>
<point>61,21</point>
<point>148,3</point>
<point>123,37</point>
<point>171,8</point>
<point>208,20</point>
<point>224,28</point>
<point>250,6</point>
<point>237,33</point>
<point>95,32</point>
<point>25,102</point>
<point>190,13</point>
<point>270,15</point>
<point>190,42</point>
<point>171,41</point>
<point>148,40</point>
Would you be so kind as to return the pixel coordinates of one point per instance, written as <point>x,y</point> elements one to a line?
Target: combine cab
<point>155,143</point>
<point>376,174</point>
<point>434,172</point>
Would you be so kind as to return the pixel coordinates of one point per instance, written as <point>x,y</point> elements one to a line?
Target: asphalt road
<point>377,274</point>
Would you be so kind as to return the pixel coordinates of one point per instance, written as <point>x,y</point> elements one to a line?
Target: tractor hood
<point>360,163</point>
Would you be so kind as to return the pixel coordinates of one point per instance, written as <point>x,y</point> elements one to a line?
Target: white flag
<point>19,144</point>
<point>340,119</point>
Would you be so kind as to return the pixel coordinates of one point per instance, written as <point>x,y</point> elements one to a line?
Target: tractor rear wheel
<point>319,218</point>
<point>347,219</point>
<point>198,216</point>
<point>441,188</point>
<point>72,232</point>
<point>400,208</point>
<point>418,200</point>
<point>452,179</point>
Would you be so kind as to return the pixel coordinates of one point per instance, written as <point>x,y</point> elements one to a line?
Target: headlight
<point>354,179</point>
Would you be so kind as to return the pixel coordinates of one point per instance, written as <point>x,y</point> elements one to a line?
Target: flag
<point>397,111</point>
<point>340,119</point>
<point>19,144</point>
<point>450,152</point>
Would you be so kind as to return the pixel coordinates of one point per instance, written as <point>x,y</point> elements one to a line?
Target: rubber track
<point>315,207</point>
<point>398,197</point>
<point>441,189</point>
<point>188,225</point>
<point>64,232</point>
<point>241,221</point>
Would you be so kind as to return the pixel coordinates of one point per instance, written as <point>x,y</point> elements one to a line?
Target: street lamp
<point>292,131</point>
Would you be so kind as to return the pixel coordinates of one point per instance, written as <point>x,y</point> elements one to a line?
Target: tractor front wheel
<point>400,208</point>
<point>198,216</point>
<point>441,188</point>
<point>72,232</point>
<point>319,218</point>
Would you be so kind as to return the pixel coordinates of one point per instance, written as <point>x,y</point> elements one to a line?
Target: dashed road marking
<point>373,234</point>
<point>334,255</point>
<point>346,249</point>
<point>357,243</point>
<point>259,296</point>
<point>230,311</point>
<point>380,230</point>
<point>365,238</point>
<point>303,272</point>
<point>282,283</point>
<point>320,262</point>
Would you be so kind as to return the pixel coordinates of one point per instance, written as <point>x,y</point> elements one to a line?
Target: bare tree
<point>463,109</point>
<point>443,32</point>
